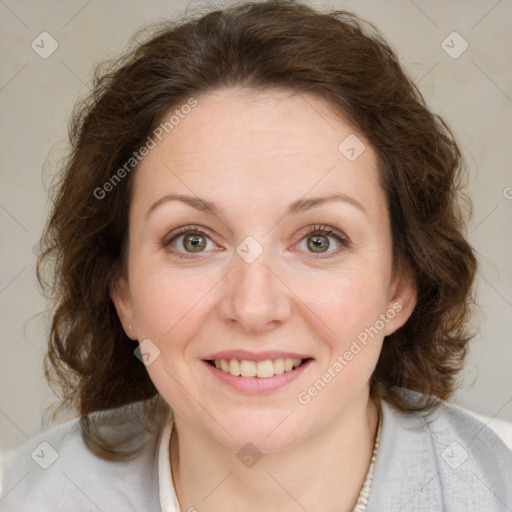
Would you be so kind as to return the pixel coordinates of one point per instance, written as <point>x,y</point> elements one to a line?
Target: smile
<point>255,374</point>
<point>260,369</point>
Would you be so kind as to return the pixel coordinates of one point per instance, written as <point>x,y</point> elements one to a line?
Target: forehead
<point>263,148</point>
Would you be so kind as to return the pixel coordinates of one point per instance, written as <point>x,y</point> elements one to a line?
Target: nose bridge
<point>256,297</point>
<point>254,279</point>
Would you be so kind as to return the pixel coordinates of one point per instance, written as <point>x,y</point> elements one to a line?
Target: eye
<point>317,239</point>
<point>187,240</point>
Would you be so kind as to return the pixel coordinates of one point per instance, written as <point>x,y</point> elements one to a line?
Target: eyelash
<point>321,229</point>
<point>196,230</point>
<point>317,229</point>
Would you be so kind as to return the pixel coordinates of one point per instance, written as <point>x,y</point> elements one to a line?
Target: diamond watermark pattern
<point>249,455</point>
<point>44,45</point>
<point>147,352</point>
<point>454,45</point>
<point>351,147</point>
<point>454,455</point>
<point>249,249</point>
<point>44,455</point>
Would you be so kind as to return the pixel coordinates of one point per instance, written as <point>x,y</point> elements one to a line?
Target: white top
<point>166,491</point>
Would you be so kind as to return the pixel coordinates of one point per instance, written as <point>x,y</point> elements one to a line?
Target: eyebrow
<point>299,206</point>
<point>302,205</point>
<point>195,202</point>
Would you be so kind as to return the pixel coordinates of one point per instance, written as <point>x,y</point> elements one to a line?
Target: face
<point>252,271</point>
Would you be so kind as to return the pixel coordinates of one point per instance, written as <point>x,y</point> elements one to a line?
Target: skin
<point>253,155</point>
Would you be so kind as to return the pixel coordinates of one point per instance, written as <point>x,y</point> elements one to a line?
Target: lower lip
<point>256,385</point>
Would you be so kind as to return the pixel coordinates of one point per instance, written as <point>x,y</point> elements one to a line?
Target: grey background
<point>472,92</point>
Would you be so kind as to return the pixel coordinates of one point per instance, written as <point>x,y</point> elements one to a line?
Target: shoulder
<point>451,421</point>
<point>55,471</point>
<point>471,456</point>
<point>458,437</point>
<point>446,460</point>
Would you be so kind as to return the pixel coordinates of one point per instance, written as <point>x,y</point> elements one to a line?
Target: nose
<point>257,299</point>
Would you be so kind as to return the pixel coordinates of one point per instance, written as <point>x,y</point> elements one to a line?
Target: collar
<point>166,491</point>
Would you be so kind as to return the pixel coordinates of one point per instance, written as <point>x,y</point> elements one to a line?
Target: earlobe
<point>121,297</point>
<point>403,299</point>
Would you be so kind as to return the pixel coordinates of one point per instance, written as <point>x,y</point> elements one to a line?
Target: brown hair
<point>259,46</point>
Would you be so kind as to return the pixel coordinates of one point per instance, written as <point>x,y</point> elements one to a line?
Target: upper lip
<point>253,356</point>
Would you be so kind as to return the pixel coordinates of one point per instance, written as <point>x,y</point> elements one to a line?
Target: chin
<point>269,431</point>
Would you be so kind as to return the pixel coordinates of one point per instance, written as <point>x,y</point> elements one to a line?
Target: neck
<point>327,468</point>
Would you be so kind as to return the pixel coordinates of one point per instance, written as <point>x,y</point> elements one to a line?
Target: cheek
<point>170,311</point>
<point>346,302</point>
<point>346,316</point>
<point>168,304</point>
<point>348,322</point>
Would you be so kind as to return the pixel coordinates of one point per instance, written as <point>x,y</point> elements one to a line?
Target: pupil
<point>196,242</point>
<point>318,242</point>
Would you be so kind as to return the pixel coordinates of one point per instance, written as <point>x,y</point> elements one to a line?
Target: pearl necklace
<point>364,495</point>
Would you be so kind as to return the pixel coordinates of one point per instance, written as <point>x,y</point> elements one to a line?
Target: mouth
<point>257,369</point>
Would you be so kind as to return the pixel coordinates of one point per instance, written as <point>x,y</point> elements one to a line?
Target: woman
<point>258,230</point>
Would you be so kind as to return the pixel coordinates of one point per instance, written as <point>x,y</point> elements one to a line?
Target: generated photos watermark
<point>357,345</point>
<point>163,128</point>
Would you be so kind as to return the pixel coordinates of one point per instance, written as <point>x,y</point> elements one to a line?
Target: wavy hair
<point>256,45</point>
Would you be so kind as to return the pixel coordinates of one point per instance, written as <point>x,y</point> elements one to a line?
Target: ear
<point>122,299</point>
<point>403,298</point>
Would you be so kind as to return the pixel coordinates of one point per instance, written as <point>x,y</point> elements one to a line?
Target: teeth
<point>264,369</point>
<point>234,367</point>
<point>278,366</point>
<point>261,369</point>
<point>247,368</point>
